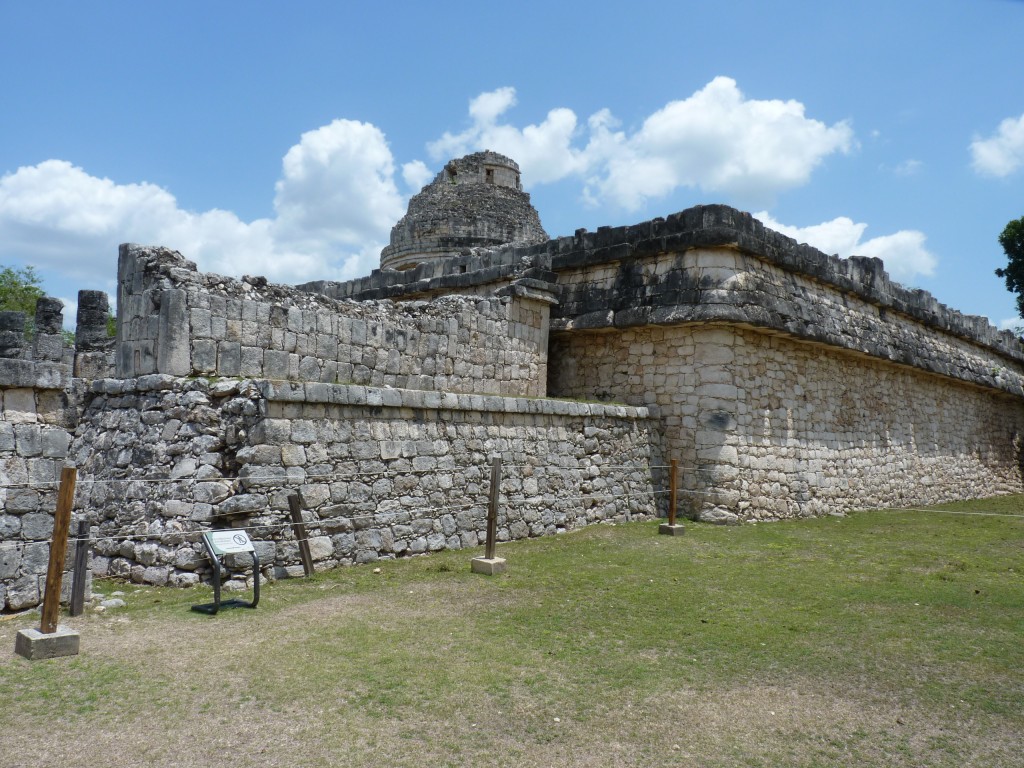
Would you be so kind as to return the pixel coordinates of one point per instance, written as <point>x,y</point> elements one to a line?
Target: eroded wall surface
<point>381,473</point>
<point>37,415</point>
<point>177,321</point>
<point>766,426</point>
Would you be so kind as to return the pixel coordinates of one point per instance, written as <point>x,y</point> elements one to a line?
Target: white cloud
<point>1010,324</point>
<point>337,197</point>
<point>908,168</point>
<point>416,175</point>
<point>335,203</point>
<point>716,141</point>
<point>1002,153</point>
<point>544,151</point>
<point>903,252</point>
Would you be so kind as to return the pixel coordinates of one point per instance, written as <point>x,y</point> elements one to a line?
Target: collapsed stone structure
<point>784,381</point>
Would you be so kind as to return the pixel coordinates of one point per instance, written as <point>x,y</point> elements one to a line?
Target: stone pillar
<point>715,439</point>
<point>12,334</point>
<point>49,341</point>
<point>529,324</point>
<point>93,347</point>
<point>173,351</point>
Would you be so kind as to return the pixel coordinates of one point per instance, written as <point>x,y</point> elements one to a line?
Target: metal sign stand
<point>229,542</point>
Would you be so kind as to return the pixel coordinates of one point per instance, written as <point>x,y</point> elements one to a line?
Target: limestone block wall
<point>37,415</point>
<point>728,285</point>
<point>382,473</point>
<point>766,426</point>
<point>178,321</point>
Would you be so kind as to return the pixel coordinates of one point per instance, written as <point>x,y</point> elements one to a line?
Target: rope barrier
<point>272,479</point>
<point>408,516</point>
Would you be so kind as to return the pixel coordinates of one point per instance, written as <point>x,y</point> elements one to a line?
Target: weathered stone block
<point>252,361</point>
<point>321,547</point>
<point>10,560</point>
<point>204,355</point>
<point>34,645</point>
<point>20,406</point>
<point>229,358</point>
<point>242,504</point>
<point>6,436</point>
<point>55,443</point>
<point>37,527</point>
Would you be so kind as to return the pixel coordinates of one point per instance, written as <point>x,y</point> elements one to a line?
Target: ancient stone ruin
<point>783,381</point>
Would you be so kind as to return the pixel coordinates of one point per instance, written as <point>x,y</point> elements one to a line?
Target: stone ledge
<point>352,394</point>
<point>757,316</point>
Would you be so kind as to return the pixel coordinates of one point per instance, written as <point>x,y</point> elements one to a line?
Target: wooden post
<point>673,480</point>
<point>492,507</point>
<point>81,571</point>
<point>489,564</point>
<point>299,528</point>
<point>670,528</point>
<point>58,549</point>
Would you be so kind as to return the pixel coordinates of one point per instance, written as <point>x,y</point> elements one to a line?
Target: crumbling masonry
<point>784,381</point>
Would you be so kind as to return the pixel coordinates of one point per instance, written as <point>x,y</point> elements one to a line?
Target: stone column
<point>12,334</point>
<point>93,347</point>
<point>49,341</point>
<point>717,409</point>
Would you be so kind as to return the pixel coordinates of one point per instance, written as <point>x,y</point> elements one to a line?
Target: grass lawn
<point>890,638</point>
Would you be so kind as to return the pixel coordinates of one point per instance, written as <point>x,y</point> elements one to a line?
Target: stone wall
<point>175,320</point>
<point>40,403</point>
<point>381,472</point>
<point>37,413</point>
<point>766,426</point>
<point>727,285</point>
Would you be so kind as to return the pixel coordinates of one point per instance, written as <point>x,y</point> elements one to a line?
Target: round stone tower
<point>476,201</point>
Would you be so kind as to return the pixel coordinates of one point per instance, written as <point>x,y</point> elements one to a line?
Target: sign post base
<point>490,566</point>
<point>33,644</point>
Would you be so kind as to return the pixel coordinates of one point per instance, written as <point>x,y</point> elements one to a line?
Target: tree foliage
<point>1012,240</point>
<point>20,290</point>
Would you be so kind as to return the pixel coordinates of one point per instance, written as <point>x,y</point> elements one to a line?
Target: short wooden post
<point>492,506</point>
<point>674,480</point>
<point>670,528</point>
<point>58,549</point>
<point>81,570</point>
<point>299,528</point>
<point>490,564</point>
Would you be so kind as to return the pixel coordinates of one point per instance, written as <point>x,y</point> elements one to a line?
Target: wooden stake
<point>673,482</point>
<point>58,549</point>
<point>492,507</point>
<point>81,570</point>
<point>299,528</point>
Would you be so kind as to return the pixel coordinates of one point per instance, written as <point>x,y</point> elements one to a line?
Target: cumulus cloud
<point>338,196</point>
<point>544,151</point>
<point>334,205</point>
<point>1002,153</point>
<point>903,252</point>
<point>717,140</point>
<point>416,175</point>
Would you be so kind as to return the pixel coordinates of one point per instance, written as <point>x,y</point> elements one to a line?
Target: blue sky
<point>285,140</point>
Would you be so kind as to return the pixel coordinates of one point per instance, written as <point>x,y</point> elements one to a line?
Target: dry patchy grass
<point>879,640</point>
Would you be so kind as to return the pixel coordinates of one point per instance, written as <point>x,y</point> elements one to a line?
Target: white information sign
<point>229,542</point>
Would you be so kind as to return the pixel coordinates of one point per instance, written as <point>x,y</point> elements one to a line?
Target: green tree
<point>1012,240</point>
<point>19,291</point>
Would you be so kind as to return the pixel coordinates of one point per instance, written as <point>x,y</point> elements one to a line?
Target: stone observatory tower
<point>476,201</point>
